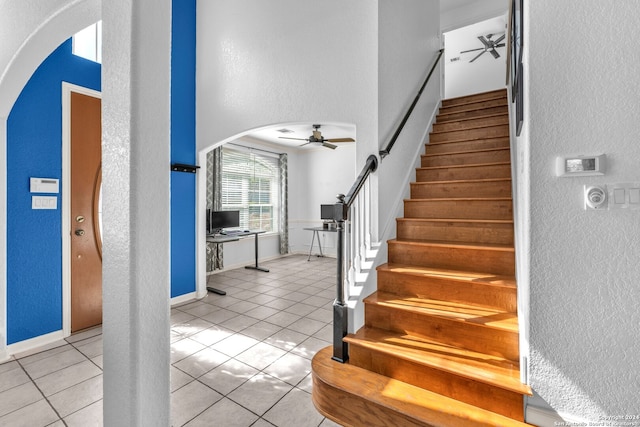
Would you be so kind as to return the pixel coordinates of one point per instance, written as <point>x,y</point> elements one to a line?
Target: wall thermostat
<point>581,165</point>
<point>595,197</point>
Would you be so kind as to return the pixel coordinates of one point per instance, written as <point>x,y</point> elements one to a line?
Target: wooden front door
<point>86,240</point>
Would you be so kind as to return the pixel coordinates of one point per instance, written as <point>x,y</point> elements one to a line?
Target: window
<point>87,43</point>
<point>250,184</point>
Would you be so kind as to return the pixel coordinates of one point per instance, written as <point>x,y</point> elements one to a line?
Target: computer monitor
<point>223,219</point>
<point>327,212</point>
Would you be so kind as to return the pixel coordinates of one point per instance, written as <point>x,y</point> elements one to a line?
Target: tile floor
<point>237,360</point>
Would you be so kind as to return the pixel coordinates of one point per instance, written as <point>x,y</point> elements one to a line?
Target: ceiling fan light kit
<point>317,138</point>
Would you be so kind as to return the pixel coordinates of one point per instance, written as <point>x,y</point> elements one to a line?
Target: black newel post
<point>340,309</point>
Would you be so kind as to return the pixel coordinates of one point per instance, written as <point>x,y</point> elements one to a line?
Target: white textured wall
<point>262,63</point>
<point>316,178</point>
<point>486,72</point>
<point>409,40</point>
<point>585,276</point>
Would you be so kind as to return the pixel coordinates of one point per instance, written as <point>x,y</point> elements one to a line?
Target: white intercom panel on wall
<point>44,185</point>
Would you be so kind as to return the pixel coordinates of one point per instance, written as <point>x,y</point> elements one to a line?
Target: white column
<point>136,178</point>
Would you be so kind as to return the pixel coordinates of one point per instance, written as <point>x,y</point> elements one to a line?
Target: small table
<point>218,239</point>
<point>316,232</point>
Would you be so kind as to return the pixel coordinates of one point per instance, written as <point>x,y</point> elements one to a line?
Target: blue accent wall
<point>34,149</point>
<point>34,237</point>
<point>183,147</point>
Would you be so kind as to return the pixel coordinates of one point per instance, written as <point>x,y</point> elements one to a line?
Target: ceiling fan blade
<point>495,53</point>
<point>485,42</point>
<point>479,55</point>
<point>306,143</point>
<point>297,139</point>
<point>472,50</point>
<point>499,39</point>
<point>340,140</point>
<point>326,144</point>
<point>500,45</point>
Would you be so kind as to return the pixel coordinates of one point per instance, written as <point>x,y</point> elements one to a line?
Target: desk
<point>316,232</point>
<point>218,239</point>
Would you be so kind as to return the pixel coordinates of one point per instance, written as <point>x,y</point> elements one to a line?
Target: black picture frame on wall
<point>517,80</point>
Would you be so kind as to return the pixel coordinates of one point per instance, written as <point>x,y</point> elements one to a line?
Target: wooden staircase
<point>440,341</point>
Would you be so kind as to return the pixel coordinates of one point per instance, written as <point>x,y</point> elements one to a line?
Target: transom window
<point>87,43</point>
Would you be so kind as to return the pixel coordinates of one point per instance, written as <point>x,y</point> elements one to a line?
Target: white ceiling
<point>447,5</point>
<point>273,134</point>
<point>329,130</point>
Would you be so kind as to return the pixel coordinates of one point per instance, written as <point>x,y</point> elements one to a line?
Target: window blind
<point>250,184</point>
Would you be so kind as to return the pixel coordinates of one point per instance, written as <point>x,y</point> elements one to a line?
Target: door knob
<point>79,232</point>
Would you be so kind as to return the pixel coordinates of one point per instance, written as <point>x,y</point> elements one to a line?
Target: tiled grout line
<point>309,285</point>
<point>41,392</point>
<point>260,417</point>
<point>262,371</point>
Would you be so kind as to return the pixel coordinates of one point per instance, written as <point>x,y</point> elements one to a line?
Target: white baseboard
<point>181,299</point>
<point>547,418</point>
<point>50,340</point>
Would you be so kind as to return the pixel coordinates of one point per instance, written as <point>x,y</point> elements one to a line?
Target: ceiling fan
<point>489,46</point>
<point>317,138</point>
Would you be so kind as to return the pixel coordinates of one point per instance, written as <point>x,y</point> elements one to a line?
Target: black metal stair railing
<point>342,218</point>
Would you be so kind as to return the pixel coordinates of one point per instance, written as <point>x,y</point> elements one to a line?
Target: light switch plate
<point>624,195</point>
<point>44,202</point>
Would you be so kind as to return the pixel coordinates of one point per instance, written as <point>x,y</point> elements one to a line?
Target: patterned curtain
<point>284,209</point>
<point>215,252</point>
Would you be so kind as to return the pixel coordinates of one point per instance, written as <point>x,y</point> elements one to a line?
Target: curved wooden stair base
<point>440,341</point>
<point>356,397</point>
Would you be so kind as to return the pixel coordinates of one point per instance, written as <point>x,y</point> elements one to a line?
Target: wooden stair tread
<point>489,369</point>
<point>471,107</point>
<point>480,126</point>
<point>462,113</point>
<point>466,276</point>
<point>460,312</point>
<point>471,165</point>
<point>458,220</point>
<point>476,97</point>
<point>447,244</point>
<point>458,181</point>
<point>478,140</point>
<point>368,397</point>
<point>464,119</point>
<point>430,143</point>
<point>458,199</point>
<point>482,150</point>
<point>492,119</point>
